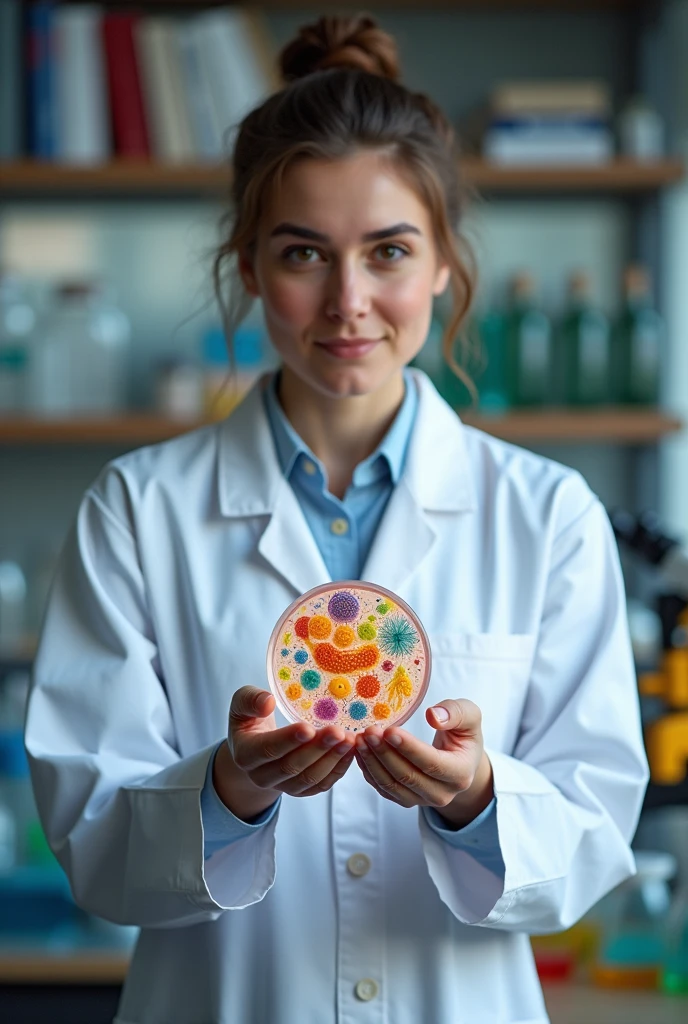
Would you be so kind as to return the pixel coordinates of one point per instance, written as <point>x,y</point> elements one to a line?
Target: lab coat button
<point>358,865</point>
<point>339,527</point>
<point>366,989</point>
<point>309,467</point>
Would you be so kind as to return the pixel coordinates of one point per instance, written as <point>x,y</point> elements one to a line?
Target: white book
<point>82,109</point>
<point>162,82</point>
<point>205,126</point>
<point>238,77</point>
<point>515,152</point>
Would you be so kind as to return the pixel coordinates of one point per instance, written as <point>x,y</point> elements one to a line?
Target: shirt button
<point>339,527</point>
<point>309,467</point>
<point>366,989</point>
<point>358,865</point>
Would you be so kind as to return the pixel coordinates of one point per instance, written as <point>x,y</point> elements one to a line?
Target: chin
<point>349,382</point>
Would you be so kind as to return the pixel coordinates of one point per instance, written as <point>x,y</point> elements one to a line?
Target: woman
<point>274,879</point>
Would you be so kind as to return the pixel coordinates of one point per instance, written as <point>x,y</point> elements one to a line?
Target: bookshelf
<point>623,425</point>
<point>130,179</point>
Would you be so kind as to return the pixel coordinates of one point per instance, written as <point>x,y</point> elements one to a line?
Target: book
<point>40,68</point>
<point>238,67</point>
<point>165,101</point>
<point>548,146</point>
<point>128,118</point>
<point>205,126</point>
<point>582,96</point>
<point>82,120</point>
<point>11,80</point>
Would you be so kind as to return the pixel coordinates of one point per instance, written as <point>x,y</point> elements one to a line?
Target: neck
<point>341,432</point>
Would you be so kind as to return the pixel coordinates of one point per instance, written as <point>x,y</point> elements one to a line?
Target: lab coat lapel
<point>289,546</point>
<point>436,479</point>
<point>251,483</point>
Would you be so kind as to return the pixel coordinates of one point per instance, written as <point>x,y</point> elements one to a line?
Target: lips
<point>348,348</point>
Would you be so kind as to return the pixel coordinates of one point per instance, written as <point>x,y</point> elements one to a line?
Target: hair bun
<point>340,42</point>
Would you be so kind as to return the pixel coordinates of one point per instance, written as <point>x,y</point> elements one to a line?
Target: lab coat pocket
<point>490,669</point>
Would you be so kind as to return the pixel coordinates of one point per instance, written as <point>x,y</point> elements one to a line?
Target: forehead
<point>345,198</point>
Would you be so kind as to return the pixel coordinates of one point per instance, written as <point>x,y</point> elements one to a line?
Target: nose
<point>348,294</point>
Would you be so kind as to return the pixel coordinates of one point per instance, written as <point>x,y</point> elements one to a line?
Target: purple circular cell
<point>326,709</point>
<point>343,606</point>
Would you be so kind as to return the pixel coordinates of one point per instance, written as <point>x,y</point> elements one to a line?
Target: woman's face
<point>346,265</point>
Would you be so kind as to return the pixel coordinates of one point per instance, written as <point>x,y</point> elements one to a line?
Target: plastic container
<point>634,921</point>
<point>349,654</point>
<point>641,130</point>
<point>17,326</point>
<point>81,356</point>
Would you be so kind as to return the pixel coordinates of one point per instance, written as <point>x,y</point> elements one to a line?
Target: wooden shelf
<point>132,179</point>
<point>40,967</point>
<point>616,424</point>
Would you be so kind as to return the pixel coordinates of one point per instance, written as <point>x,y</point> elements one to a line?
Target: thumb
<point>462,715</point>
<point>250,702</point>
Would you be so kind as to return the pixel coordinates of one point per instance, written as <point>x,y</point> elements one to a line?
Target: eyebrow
<point>317,236</point>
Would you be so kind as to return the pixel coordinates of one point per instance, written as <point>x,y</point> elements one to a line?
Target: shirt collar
<point>391,451</point>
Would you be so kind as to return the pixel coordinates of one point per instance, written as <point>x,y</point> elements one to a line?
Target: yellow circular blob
<point>319,627</point>
<point>306,704</point>
<point>293,691</point>
<point>382,711</point>
<point>340,687</point>
<point>285,674</point>
<point>344,636</point>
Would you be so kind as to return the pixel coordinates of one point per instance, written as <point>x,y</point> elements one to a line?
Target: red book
<point>129,128</point>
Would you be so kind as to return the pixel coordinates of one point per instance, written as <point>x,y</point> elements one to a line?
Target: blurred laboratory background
<point>116,120</point>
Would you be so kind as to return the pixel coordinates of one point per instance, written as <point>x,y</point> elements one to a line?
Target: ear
<point>247,273</point>
<point>441,280</point>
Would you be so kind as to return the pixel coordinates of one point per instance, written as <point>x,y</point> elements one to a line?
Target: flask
<point>17,324</point>
<point>636,342</point>
<point>528,346</point>
<point>81,354</point>
<point>584,348</point>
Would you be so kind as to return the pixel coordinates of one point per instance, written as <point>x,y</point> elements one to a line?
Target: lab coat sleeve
<point>120,807</point>
<point>479,838</point>
<point>220,827</point>
<point>569,796</point>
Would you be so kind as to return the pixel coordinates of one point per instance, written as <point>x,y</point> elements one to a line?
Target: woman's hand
<point>260,761</point>
<point>454,775</point>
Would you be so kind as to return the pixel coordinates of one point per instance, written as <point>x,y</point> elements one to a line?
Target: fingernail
<point>330,741</point>
<point>302,735</point>
<point>343,748</point>
<point>441,714</point>
<point>360,743</point>
<point>372,741</point>
<point>394,739</point>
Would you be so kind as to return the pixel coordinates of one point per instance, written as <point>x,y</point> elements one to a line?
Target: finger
<point>250,702</point>
<point>406,774</point>
<point>301,768</point>
<point>383,779</point>
<point>461,714</point>
<point>337,773</point>
<point>251,750</point>
<point>441,765</point>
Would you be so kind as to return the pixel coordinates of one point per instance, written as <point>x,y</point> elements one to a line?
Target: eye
<point>294,249</point>
<point>388,247</point>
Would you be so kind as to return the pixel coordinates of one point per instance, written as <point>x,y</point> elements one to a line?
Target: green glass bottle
<point>637,342</point>
<point>583,351</point>
<point>493,397</point>
<point>528,347</point>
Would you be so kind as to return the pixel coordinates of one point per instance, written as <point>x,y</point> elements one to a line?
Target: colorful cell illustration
<point>356,653</point>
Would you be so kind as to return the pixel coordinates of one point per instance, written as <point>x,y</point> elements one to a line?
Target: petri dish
<point>350,654</point>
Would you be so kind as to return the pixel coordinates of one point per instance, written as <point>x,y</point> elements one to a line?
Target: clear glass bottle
<point>637,342</point>
<point>634,919</point>
<point>584,347</point>
<point>528,346</point>
<point>17,325</point>
<point>81,356</point>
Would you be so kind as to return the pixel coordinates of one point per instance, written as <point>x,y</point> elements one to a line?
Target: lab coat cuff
<point>220,826</point>
<point>479,837</point>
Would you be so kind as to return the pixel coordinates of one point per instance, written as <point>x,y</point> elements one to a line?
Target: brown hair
<point>343,94</point>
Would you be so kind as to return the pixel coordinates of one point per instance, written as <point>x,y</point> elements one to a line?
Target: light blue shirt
<point>344,530</point>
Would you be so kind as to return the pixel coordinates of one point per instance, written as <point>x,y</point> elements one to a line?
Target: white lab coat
<point>183,556</point>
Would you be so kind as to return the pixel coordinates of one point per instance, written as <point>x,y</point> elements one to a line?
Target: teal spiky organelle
<point>397,636</point>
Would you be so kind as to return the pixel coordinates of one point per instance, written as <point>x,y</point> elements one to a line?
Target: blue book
<point>11,101</point>
<point>41,80</point>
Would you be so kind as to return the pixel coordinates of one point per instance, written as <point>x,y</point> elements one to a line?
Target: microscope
<point>666,734</point>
